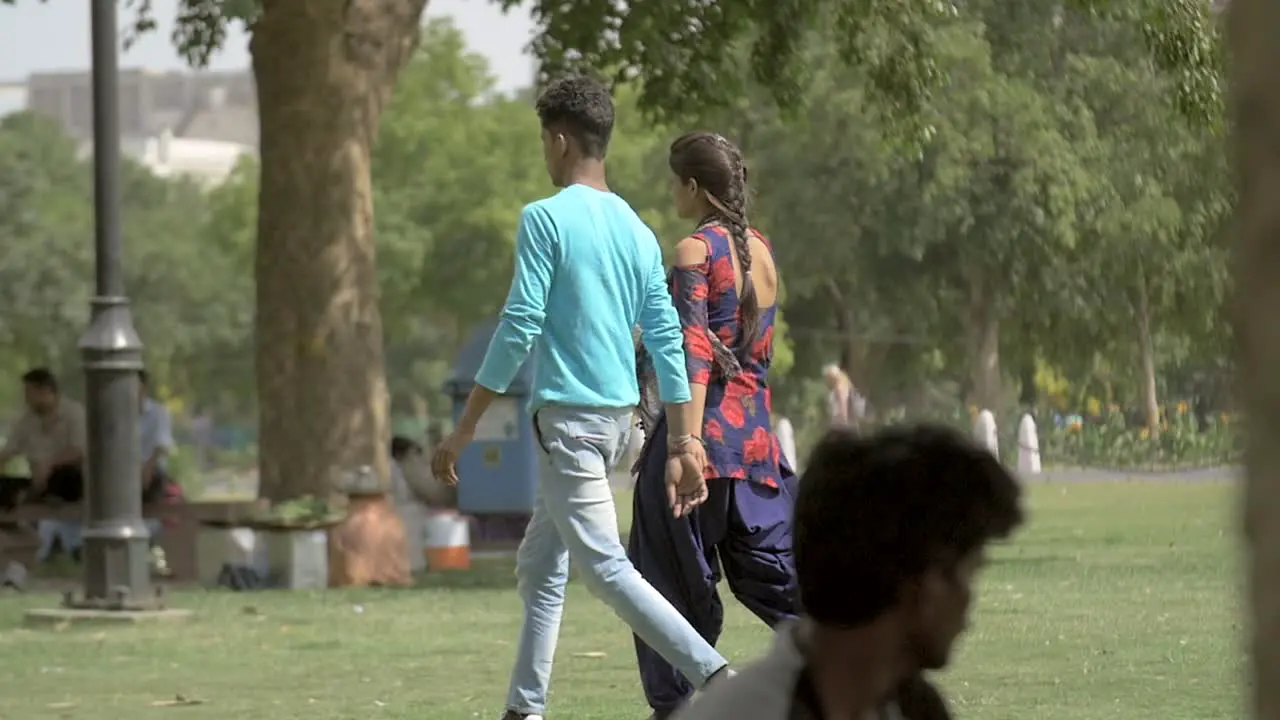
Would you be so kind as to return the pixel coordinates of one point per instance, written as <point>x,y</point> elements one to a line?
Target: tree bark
<point>859,357</point>
<point>1147,355</point>
<point>982,342</point>
<point>324,72</point>
<point>1252,28</point>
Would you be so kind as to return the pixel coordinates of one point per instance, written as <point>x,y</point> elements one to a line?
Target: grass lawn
<point>1117,601</point>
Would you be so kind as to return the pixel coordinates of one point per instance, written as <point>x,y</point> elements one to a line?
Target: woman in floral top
<point>725,286</point>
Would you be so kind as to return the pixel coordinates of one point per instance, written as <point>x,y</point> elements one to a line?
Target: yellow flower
<point>1182,408</point>
<point>1225,419</point>
<point>1144,433</point>
<point>1094,407</point>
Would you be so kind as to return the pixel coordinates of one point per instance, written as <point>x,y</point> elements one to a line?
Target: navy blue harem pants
<point>743,528</point>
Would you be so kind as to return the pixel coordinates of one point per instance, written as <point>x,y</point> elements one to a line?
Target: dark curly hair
<point>717,166</point>
<point>40,378</point>
<point>580,108</point>
<point>875,512</point>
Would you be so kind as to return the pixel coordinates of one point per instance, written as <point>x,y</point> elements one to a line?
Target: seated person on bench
<point>155,436</point>
<point>50,436</point>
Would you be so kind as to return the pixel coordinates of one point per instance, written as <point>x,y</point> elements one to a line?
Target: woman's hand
<point>686,481</point>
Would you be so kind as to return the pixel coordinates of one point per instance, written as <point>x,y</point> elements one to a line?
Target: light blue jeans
<point>574,516</point>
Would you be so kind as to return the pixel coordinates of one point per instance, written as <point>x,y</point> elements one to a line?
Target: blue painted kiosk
<point>499,470</point>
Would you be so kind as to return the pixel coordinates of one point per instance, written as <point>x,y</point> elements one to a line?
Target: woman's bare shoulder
<point>693,250</point>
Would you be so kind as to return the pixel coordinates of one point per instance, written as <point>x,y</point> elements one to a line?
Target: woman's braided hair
<point>718,168</point>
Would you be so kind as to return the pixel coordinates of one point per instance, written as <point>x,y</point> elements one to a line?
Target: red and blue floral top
<point>737,423</point>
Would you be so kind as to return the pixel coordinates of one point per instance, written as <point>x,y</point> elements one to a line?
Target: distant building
<point>208,162</point>
<point>175,123</point>
<point>219,105</point>
<point>13,97</point>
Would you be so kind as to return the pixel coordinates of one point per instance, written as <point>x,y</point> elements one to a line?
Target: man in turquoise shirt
<point>587,271</point>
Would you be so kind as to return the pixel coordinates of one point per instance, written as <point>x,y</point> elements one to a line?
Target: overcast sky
<point>42,36</point>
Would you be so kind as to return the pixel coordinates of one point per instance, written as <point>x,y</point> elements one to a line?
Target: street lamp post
<point>116,568</point>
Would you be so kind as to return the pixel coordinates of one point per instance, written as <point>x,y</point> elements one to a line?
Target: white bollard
<point>984,432</point>
<point>787,440</point>
<point>448,541</point>
<point>1028,446</point>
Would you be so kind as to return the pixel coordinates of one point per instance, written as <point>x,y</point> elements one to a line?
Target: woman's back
<point>737,427</point>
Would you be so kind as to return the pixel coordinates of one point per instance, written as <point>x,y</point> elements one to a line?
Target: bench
<point>18,541</point>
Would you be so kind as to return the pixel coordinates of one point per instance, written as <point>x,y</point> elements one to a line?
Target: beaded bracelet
<point>679,444</point>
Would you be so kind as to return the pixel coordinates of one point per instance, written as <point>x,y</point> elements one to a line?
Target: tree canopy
<point>1009,258</point>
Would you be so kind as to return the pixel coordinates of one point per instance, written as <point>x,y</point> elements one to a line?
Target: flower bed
<point>1107,441</point>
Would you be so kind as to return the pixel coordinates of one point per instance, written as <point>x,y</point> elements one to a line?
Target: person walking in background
<point>587,271</point>
<point>891,532</point>
<point>845,405</point>
<point>725,285</point>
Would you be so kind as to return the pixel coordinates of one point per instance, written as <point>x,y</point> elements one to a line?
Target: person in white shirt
<point>155,444</point>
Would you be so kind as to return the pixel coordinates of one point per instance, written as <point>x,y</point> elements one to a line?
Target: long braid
<point>733,206</point>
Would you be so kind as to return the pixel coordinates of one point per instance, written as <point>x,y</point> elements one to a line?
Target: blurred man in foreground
<point>891,531</point>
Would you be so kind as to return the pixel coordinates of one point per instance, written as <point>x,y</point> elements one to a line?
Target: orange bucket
<point>448,541</point>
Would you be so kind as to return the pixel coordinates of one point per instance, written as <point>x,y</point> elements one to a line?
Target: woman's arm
<point>690,290</point>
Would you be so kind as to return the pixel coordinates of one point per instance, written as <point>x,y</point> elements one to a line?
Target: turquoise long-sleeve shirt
<point>588,270</point>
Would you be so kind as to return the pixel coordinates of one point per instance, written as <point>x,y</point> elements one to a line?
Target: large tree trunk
<point>324,71</point>
<point>860,358</point>
<point>1147,355</point>
<point>1253,26</point>
<point>982,344</point>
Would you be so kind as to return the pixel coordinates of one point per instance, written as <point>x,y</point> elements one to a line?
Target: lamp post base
<point>118,599</point>
<point>117,573</point>
<point>118,608</point>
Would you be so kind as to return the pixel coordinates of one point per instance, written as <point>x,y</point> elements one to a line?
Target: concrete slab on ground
<point>68,616</point>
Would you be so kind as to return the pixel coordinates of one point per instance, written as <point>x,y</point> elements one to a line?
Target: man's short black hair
<point>876,512</point>
<point>580,108</point>
<point>40,378</point>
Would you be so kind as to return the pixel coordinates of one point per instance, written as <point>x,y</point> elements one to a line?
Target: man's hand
<point>444,465</point>
<point>686,483</point>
